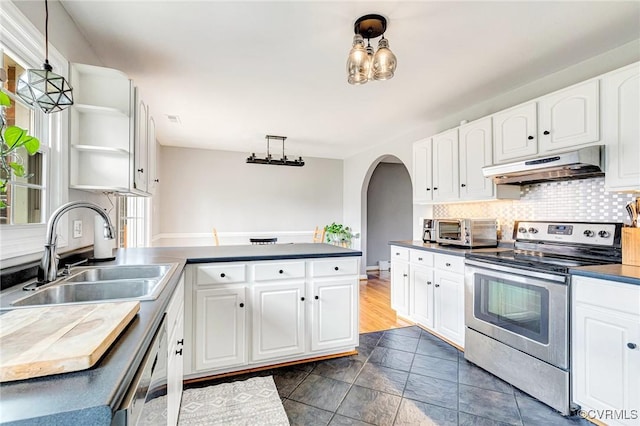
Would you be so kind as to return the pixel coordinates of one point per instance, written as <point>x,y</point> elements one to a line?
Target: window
<point>24,198</point>
<point>133,227</point>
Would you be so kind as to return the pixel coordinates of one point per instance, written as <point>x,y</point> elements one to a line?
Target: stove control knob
<point>589,233</point>
<point>533,230</point>
<point>603,234</point>
<point>522,230</point>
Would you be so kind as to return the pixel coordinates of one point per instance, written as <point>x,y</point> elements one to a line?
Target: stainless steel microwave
<point>467,232</point>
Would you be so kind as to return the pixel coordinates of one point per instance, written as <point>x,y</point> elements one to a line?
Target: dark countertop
<point>439,248</point>
<point>91,396</point>
<point>615,272</point>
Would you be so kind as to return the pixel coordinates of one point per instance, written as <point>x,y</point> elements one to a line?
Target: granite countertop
<point>615,272</point>
<point>92,396</point>
<point>440,248</point>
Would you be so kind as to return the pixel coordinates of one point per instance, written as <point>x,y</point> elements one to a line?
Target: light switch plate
<point>77,228</point>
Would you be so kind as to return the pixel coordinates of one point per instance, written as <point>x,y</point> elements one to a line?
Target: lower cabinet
<point>175,327</point>
<point>428,288</point>
<point>605,350</point>
<point>245,315</point>
<point>278,312</point>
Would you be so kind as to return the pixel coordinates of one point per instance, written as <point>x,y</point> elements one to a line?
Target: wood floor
<point>375,304</point>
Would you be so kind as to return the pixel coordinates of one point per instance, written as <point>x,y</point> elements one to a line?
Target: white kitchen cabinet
<point>621,128</point>
<point>445,166</point>
<point>569,117</point>
<point>334,313</point>
<point>605,350</point>
<point>475,152</point>
<point>278,313</point>
<point>421,295</point>
<point>175,366</point>
<point>449,305</point>
<point>422,172</point>
<point>219,326</point>
<point>107,132</point>
<point>514,133</point>
<point>153,175</point>
<point>399,286</point>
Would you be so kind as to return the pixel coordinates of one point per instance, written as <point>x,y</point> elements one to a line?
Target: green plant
<point>11,139</point>
<point>336,233</point>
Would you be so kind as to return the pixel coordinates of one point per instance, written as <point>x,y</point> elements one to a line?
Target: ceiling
<point>235,71</point>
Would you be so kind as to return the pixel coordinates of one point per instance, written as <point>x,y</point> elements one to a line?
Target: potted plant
<point>11,139</point>
<point>339,235</point>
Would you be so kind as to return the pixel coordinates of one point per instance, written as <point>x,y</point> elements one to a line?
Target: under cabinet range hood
<point>577,164</point>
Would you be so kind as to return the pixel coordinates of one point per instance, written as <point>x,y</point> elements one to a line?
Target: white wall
<point>358,168</point>
<point>202,189</point>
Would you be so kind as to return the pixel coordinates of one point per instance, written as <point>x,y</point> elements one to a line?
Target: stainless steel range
<point>517,303</point>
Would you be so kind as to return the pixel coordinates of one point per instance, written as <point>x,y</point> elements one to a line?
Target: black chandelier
<point>284,161</point>
<point>43,88</point>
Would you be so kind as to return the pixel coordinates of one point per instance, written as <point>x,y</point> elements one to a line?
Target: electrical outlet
<point>77,228</point>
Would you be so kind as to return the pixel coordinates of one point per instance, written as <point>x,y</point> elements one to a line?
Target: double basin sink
<point>102,283</point>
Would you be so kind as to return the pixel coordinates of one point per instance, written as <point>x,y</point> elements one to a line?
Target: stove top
<point>558,246</point>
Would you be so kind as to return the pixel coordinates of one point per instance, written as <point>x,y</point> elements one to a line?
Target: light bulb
<point>358,62</point>
<point>384,61</point>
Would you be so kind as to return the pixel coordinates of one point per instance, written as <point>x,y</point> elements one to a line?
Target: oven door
<point>523,309</point>
<point>449,231</point>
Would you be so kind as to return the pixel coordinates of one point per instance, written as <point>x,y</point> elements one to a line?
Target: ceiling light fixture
<point>44,88</point>
<point>363,64</point>
<point>284,161</point>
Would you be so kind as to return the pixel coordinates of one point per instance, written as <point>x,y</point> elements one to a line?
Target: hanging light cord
<point>46,37</point>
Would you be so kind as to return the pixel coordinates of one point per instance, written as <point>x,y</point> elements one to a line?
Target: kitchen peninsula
<point>93,396</point>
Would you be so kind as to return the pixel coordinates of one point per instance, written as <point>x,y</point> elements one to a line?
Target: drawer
<point>278,271</point>
<point>333,267</point>
<point>611,295</point>
<point>399,253</point>
<point>450,263</point>
<point>221,274</point>
<point>421,257</point>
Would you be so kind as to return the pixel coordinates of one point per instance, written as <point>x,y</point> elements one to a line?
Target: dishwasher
<point>145,402</point>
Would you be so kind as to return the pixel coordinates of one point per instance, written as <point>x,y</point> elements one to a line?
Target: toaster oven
<point>467,232</point>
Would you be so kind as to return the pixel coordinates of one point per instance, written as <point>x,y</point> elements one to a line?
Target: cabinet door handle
<point>179,351</point>
<point>631,345</point>
<point>180,342</point>
<point>447,264</point>
<point>302,299</point>
<point>530,138</point>
<point>435,188</point>
<point>462,185</point>
<point>404,275</point>
<point>336,268</point>
<point>428,282</point>
<point>428,189</point>
<point>546,132</point>
<point>156,180</point>
<point>281,271</point>
<point>141,170</point>
<point>317,297</point>
<point>222,275</point>
<point>437,285</point>
<point>420,259</point>
<point>242,305</point>
<point>397,254</point>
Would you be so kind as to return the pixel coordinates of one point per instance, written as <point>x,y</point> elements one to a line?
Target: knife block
<point>631,246</point>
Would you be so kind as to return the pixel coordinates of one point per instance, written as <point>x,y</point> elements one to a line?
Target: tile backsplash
<point>573,200</point>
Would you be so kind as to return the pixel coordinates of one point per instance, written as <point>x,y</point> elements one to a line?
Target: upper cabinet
<point>515,133</point>
<point>445,166</point>
<point>422,180</point>
<point>108,133</point>
<point>475,152</point>
<point>569,117</point>
<point>621,128</point>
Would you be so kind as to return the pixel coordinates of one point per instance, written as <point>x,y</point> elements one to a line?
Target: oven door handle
<point>515,270</point>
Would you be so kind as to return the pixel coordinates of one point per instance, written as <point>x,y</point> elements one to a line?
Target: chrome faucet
<point>49,265</point>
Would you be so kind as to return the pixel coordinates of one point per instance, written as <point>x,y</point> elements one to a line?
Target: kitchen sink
<point>122,272</point>
<point>102,283</point>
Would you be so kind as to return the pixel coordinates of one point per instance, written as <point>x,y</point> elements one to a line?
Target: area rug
<point>252,402</point>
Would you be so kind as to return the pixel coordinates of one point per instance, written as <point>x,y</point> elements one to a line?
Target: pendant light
<point>363,64</point>
<point>43,88</point>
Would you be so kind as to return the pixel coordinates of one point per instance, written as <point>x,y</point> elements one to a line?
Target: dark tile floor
<point>404,376</point>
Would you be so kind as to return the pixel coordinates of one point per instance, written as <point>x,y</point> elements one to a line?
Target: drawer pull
<point>180,342</point>
<point>404,275</point>
<point>631,345</point>
<point>420,259</point>
<point>222,275</point>
<point>447,264</point>
<point>281,271</point>
<point>397,254</point>
<point>179,351</point>
<point>336,268</point>
<point>241,305</point>
<point>437,285</point>
<point>428,282</point>
<point>317,297</point>
<point>302,299</point>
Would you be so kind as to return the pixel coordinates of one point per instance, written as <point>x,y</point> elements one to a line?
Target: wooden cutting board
<point>48,340</point>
